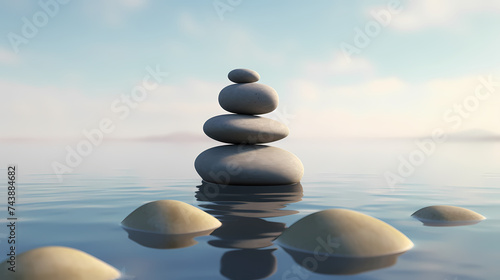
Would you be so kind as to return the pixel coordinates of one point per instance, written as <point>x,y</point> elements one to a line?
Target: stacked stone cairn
<point>244,161</point>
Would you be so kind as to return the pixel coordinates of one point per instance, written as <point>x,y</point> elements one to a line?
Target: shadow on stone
<point>432,223</point>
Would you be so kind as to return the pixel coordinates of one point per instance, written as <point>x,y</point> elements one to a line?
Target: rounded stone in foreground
<point>243,76</point>
<point>446,215</point>
<point>344,233</point>
<point>249,165</point>
<point>249,99</point>
<point>244,129</point>
<point>170,217</point>
<point>58,263</point>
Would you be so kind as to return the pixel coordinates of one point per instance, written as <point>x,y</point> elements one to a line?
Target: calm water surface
<point>84,211</point>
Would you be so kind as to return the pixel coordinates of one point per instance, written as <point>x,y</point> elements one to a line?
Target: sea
<point>82,205</point>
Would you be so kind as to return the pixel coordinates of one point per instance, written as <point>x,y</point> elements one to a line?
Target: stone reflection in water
<point>242,211</point>
<point>336,265</point>
<point>248,264</point>
<point>164,241</point>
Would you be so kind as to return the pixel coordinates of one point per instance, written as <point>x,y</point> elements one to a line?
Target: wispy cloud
<point>381,86</point>
<point>7,56</point>
<point>337,64</point>
<point>50,112</point>
<point>387,107</point>
<point>44,112</point>
<point>115,12</point>
<point>235,40</point>
<point>444,13</point>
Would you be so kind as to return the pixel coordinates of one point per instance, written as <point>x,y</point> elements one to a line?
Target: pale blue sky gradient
<point>89,53</point>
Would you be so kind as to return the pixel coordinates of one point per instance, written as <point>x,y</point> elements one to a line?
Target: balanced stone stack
<point>244,162</point>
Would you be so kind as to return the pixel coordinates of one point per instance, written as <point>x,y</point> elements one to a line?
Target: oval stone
<point>58,263</point>
<point>249,165</point>
<point>170,217</point>
<point>344,233</point>
<point>243,76</point>
<point>249,99</point>
<point>446,215</point>
<point>244,129</point>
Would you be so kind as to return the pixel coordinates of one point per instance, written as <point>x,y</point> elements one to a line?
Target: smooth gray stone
<point>57,263</point>
<point>249,165</point>
<point>244,129</point>
<point>249,99</point>
<point>344,233</point>
<point>243,76</point>
<point>170,217</point>
<point>447,215</point>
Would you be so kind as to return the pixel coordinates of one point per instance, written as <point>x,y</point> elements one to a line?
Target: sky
<point>341,68</point>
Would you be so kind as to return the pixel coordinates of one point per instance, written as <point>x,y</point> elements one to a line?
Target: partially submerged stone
<point>344,233</point>
<point>58,263</point>
<point>446,215</point>
<point>170,217</point>
<point>249,165</point>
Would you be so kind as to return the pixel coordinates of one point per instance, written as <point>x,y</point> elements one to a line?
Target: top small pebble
<point>241,76</point>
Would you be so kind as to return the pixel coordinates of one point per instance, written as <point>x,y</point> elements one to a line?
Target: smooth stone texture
<point>445,215</point>
<point>344,233</point>
<point>249,165</point>
<point>249,99</point>
<point>243,76</point>
<point>170,217</point>
<point>244,129</point>
<point>58,263</point>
